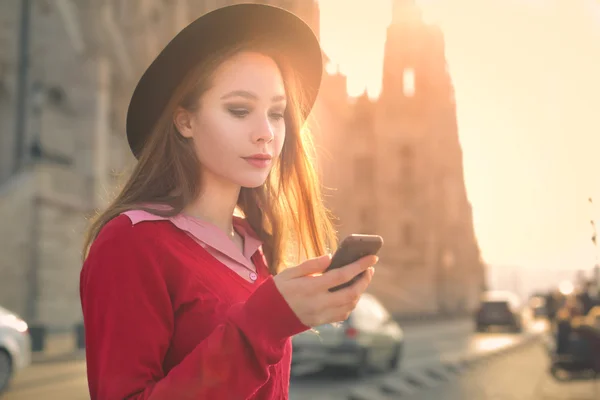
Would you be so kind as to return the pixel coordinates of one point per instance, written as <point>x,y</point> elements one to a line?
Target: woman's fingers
<point>344,274</point>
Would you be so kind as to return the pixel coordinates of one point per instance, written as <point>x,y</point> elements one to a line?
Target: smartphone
<point>353,248</point>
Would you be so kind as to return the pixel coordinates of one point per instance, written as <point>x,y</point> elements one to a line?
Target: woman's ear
<point>183,122</point>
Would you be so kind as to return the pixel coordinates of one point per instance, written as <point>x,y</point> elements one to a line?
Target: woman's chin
<point>253,185</point>
<point>251,182</point>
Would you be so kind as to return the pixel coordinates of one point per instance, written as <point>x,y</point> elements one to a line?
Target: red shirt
<point>213,239</point>
<point>164,319</point>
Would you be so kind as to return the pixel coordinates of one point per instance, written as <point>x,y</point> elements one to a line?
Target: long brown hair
<point>287,212</point>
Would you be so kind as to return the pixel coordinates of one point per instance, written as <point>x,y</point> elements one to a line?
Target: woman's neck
<point>216,205</point>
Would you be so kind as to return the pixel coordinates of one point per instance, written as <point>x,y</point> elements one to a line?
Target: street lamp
<point>22,83</point>
<point>595,242</point>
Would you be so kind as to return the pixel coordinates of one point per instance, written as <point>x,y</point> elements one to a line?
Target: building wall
<point>27,200</point>
<point>76,79</point>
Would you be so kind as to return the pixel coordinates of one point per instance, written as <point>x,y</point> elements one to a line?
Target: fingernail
<point>372,269</point>
<point>376,259</point>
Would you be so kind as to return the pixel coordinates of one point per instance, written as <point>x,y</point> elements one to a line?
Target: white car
<point>15,346</point>
<point>369,338</point>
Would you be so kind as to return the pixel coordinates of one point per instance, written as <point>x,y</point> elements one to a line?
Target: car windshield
<point>495,306</point>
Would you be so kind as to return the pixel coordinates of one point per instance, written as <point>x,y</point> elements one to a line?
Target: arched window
<point>408,82</point>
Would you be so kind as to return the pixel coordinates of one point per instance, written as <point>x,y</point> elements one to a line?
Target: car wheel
<point>517,328</point>
<point>5,370</point>
<point>559,374</point>
<point>395,359</point>
<point>361,368</point>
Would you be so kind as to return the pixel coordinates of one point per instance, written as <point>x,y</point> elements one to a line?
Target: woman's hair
<point>287,212</point>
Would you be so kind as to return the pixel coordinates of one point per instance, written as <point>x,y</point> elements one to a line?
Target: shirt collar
<point>208,233</point>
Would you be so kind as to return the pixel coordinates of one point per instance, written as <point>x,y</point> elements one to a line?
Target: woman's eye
<point>277,116</point>
<point>239,112</point>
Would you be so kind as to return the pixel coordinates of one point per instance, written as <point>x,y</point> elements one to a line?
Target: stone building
<point>392,166</point>
<point>84,60</point>
<point>405,179</point>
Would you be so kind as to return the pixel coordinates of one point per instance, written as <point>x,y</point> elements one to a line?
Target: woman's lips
<point>259,160</point>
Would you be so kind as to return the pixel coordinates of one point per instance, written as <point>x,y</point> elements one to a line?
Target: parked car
<point>499,309</point>
<point>368,338</point>
<point>15,346</point>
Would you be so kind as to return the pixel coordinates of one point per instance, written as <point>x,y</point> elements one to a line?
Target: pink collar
<point>208,233</point>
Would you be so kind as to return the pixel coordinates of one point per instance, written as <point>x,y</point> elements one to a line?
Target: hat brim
<point>222,28</point>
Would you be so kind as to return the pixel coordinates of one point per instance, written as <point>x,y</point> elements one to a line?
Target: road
<point>430,341</point>
<point>519,375</point>
<point>425,344</point>
<point>61,380</point>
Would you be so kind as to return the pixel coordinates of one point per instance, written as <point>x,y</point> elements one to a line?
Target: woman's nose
<point>263,131</point>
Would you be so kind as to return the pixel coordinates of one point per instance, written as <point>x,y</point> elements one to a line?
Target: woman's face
<point>238,128</point>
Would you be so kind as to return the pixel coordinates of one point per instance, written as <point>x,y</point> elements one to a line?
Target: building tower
<point>424,213</point>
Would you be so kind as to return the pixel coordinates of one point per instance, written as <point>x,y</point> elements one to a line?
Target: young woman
<point>181,298</point>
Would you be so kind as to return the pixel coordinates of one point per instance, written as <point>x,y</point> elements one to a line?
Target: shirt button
<point>253,276</point>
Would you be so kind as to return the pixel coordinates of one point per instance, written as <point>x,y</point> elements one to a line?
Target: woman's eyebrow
<point>249,95</point>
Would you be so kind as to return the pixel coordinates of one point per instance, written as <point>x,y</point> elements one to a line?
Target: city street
<point>425,343</point>
<point>521,374</point>
<point>162,161</point>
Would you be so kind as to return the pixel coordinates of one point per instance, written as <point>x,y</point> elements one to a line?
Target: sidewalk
<point>59,347</point>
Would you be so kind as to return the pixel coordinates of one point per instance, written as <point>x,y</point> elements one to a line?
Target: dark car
<point>537,305</point>
<point>499,309</point>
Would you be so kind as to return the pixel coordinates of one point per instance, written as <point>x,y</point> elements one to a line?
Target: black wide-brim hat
<point>222,28</point>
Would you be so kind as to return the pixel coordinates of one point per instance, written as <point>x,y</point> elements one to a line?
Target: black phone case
<point>353,248</point>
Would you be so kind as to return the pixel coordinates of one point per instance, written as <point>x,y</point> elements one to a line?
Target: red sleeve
<point>129,320</point>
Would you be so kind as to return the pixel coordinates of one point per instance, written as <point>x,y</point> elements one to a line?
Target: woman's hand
<point>308,294</point>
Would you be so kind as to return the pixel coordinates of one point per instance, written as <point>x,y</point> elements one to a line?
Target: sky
<point>527,81</point>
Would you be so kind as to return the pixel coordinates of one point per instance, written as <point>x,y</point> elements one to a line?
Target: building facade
<point>84,60</point>
<point>391,166</point>
<point>403,177</point>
